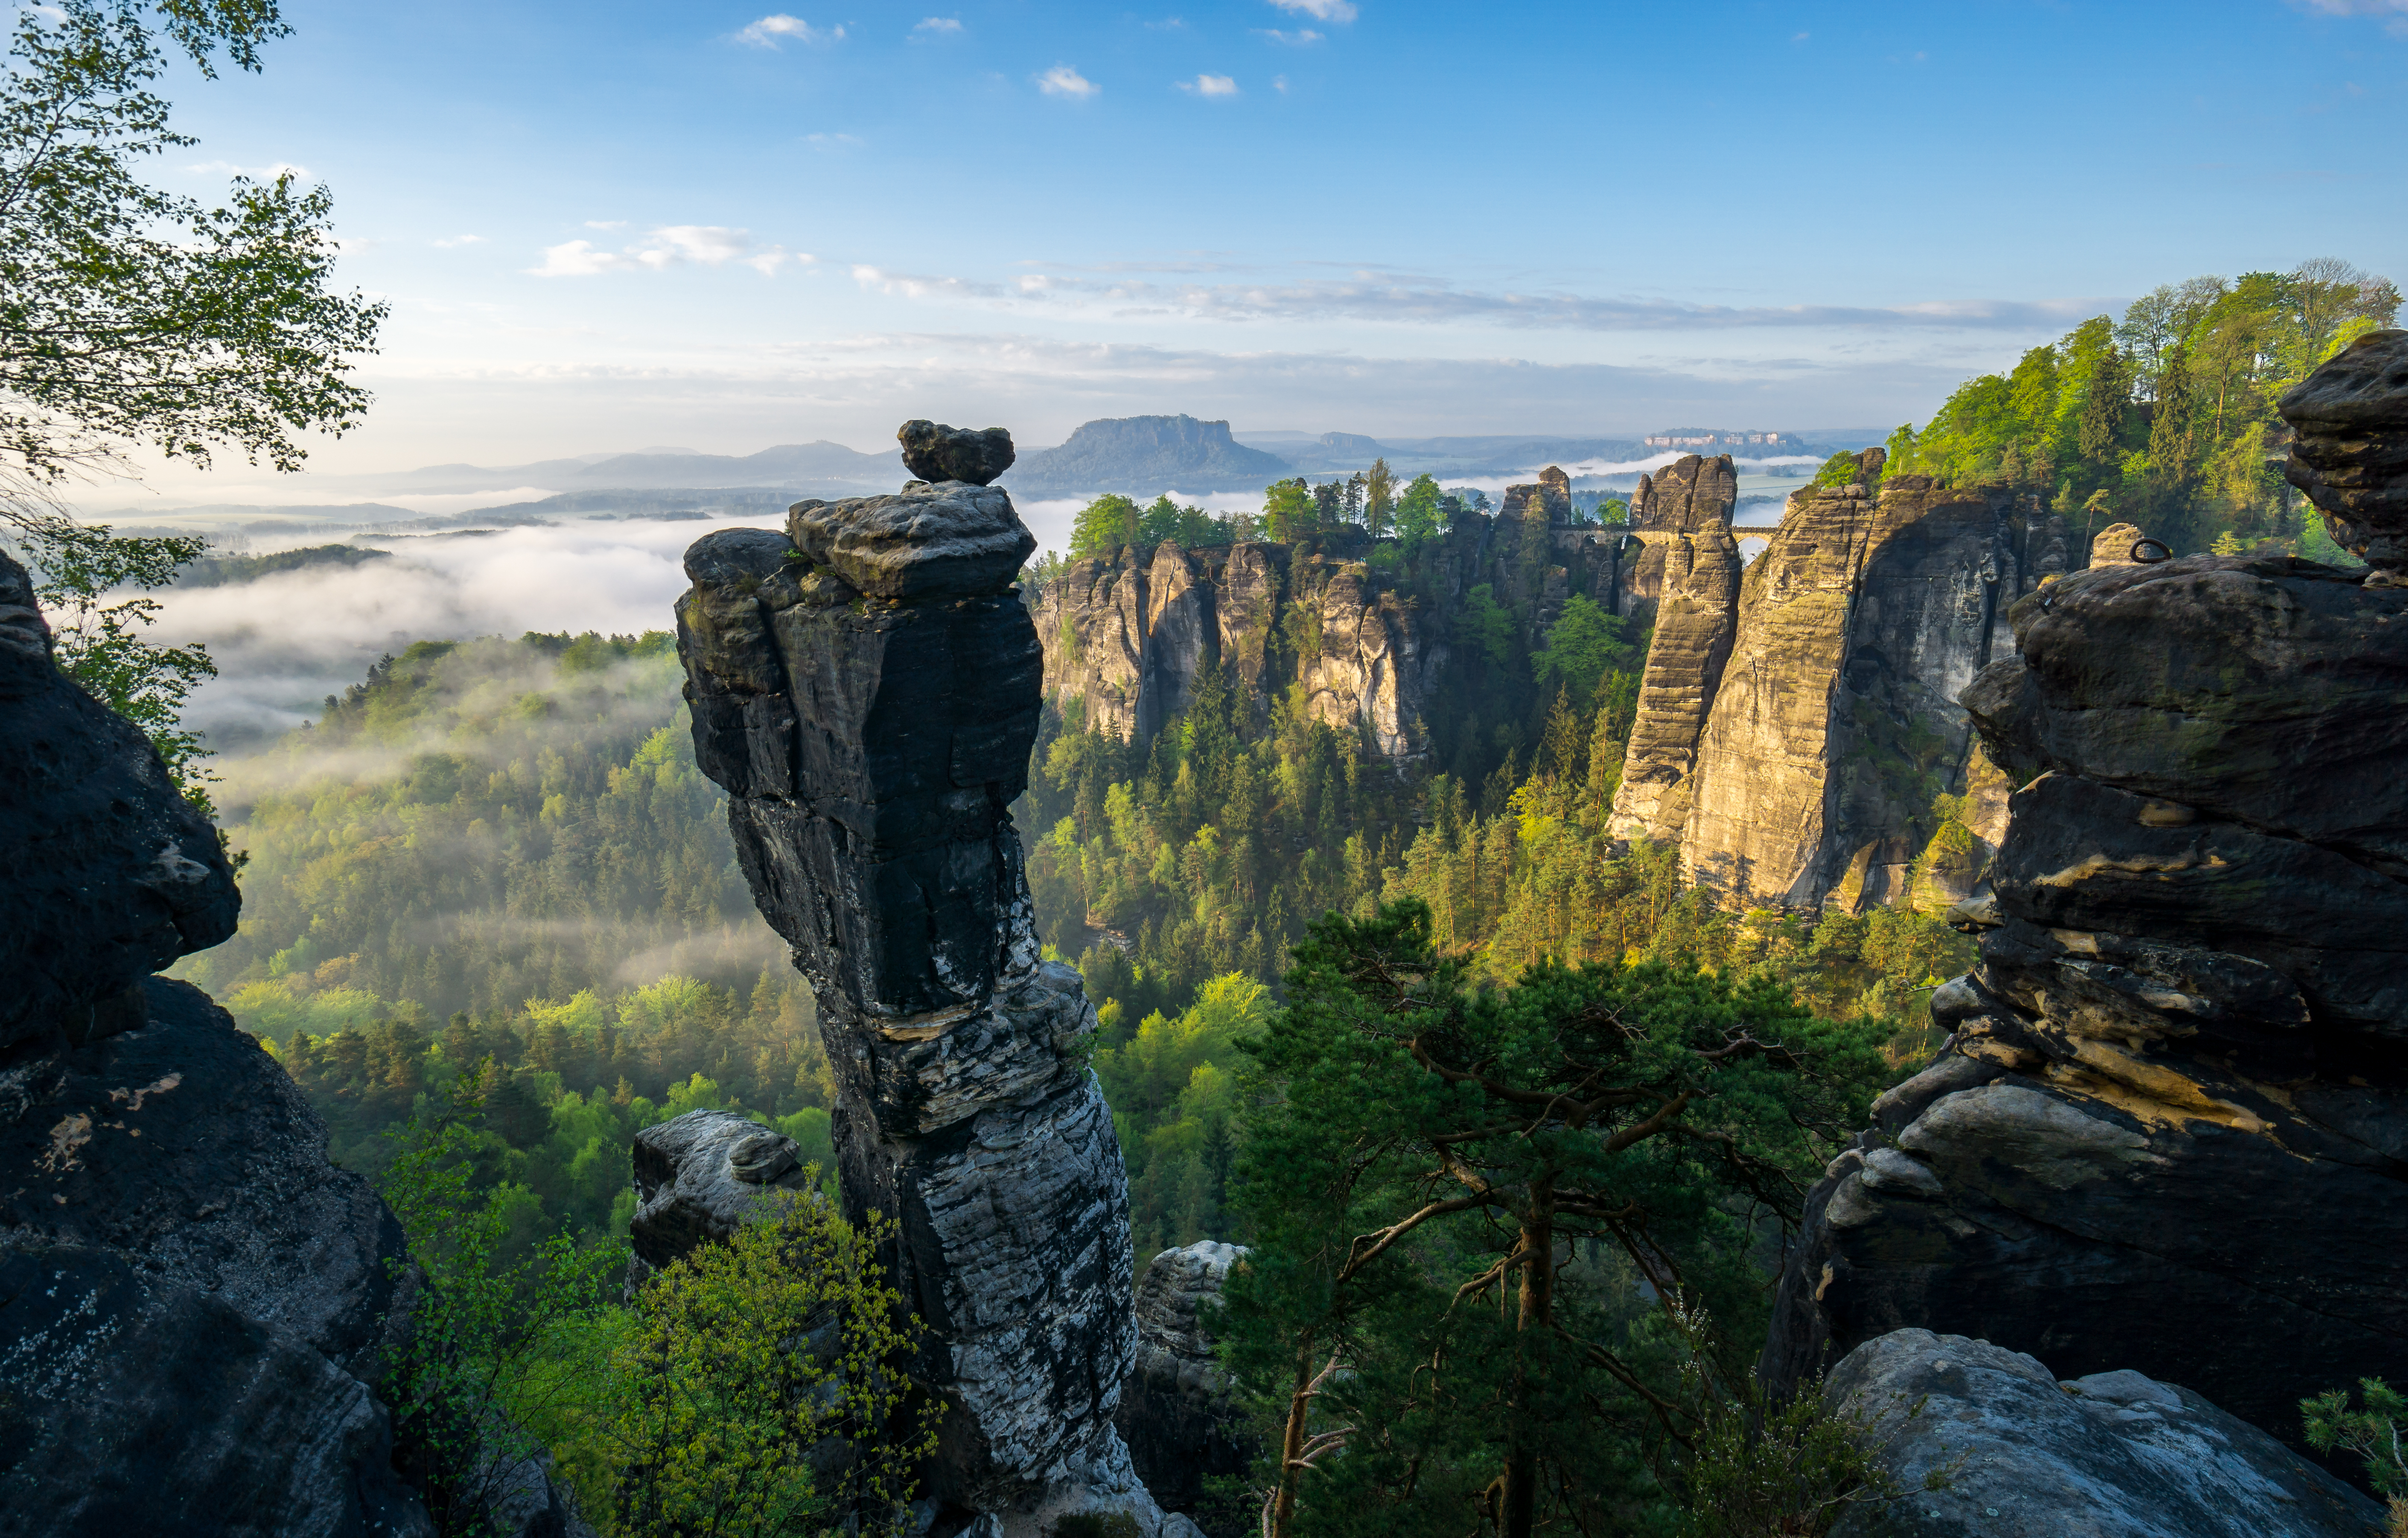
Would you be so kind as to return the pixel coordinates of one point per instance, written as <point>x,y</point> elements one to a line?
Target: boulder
<point>950,540</point>
<point>109,874</point>
<point>192,1301</point>
<point>1177,1414</point>
<point>2109,1455</point>
<point>701,1175</point>
<point>934,451</point>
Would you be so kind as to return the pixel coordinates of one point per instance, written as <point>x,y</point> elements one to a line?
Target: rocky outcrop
<point>1690,572</point>
<point>2170,1131</point>
<point>1836,723</point>
<point>1129,635</point>
<point>866,689</point>
<point>192,1301</point>
<point>2026,1455</point>
<point>699,1177</point>
<point>2350,419</point>
<point>1177,1414</point>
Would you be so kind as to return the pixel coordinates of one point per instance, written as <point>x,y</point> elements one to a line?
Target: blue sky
<point>722,227</point>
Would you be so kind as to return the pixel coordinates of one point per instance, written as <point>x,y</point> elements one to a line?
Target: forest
<point>2164,418</point>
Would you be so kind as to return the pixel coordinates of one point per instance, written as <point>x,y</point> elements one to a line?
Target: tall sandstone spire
<point>866,686</point>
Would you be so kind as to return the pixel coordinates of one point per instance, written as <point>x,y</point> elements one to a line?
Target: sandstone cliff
<point>1368,634</point>
<point>1836,724</point>
<point>1795,727</point>
<point>1689,570</point>
<point>2169,1130</point>
<point>192,1298</point>
<point>866,686</point>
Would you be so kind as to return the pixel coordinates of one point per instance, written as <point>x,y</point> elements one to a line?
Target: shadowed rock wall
<point>2170,1130</point>
<point>192,1298</point>
<point>1690,571</point>
<point>866,686</point>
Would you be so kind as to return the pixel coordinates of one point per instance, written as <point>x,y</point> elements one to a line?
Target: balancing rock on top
<point>2352,453</point>
<point>935,452</point>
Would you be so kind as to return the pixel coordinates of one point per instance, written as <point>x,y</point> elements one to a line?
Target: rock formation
<point>2026,1456</point>
<point>700,1175</point>
<point>1796,725</point>
<point>1176,1412</point>
<point>1837,725</point>
<point>1690,572</point>
<point>192,1299</point>
<point>935,453</point>
<point>2170,1127</point>
<point>1130,635</point>
<point>866,686</point>
<point>2351,417</point>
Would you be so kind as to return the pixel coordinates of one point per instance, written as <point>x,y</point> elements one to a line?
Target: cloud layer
<point>668,246</point>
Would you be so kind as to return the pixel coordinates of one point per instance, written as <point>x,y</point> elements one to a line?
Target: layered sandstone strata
<point>866,686</point>
<point>2169,1129</point>
<point>1690,571</point>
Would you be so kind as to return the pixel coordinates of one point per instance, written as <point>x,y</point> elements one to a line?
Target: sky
<point>614,226</point>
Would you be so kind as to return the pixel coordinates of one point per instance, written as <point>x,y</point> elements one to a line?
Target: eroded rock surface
<point>1176,1412</point>
<point>2170,1126</point>
<point>2350,455</point>
<point>2114,1454</point>
<point>192,1299</point>
<point>868,692</point>
<point>1836,722</point>
<point>1690,571</point>
<point>701,1176</point>
<point>934,451</point>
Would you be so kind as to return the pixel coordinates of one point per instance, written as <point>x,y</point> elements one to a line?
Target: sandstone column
<point>866,686</point>
<point>1691,568</point>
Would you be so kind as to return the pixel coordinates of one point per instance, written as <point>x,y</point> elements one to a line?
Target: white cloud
<point>1321,10</point>
<point>1278,83</point>
<point>832,141</point>
<point>940,26</point>
<point>1381,297</point>
<point>606,224</point>
<point>668,246</point>
<point>1062,80</point>
<point>1302,37</point>
<point>766,31</point>
<point>1210,85</point>
<point>2394,13</point>
<point>256,173</point>
<point>450,240</point>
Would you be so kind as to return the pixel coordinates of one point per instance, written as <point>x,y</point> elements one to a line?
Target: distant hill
<point>1142,456</point>
<point>225,570</point>
<point>823,466</point>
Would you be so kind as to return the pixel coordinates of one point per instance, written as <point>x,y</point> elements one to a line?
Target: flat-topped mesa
<point>2350,452</point>
<point>866,686</point>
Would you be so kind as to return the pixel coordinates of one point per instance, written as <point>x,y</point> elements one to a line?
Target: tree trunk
<point>1292,1441</point>
<point>1538,1311</point>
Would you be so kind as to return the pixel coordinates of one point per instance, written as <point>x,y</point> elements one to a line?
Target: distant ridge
<point>1142,455</point>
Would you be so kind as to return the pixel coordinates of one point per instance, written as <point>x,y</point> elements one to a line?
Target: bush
<point>2373,1432</point>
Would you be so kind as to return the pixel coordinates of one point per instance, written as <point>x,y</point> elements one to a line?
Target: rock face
<point>1690,571</point>
<point>2171,1124</point>
<point>1176,1413</point>
<point>192,1298</point>
<point>2351,449</point>
<point>934,451</point>
<point>871,739</point>
<point>1796,725</point>
<point>109,876</point>
<point>2113,1454</point>
<point>1129,635</point>
<point>1836,722</point>
<point>699,1177</point>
